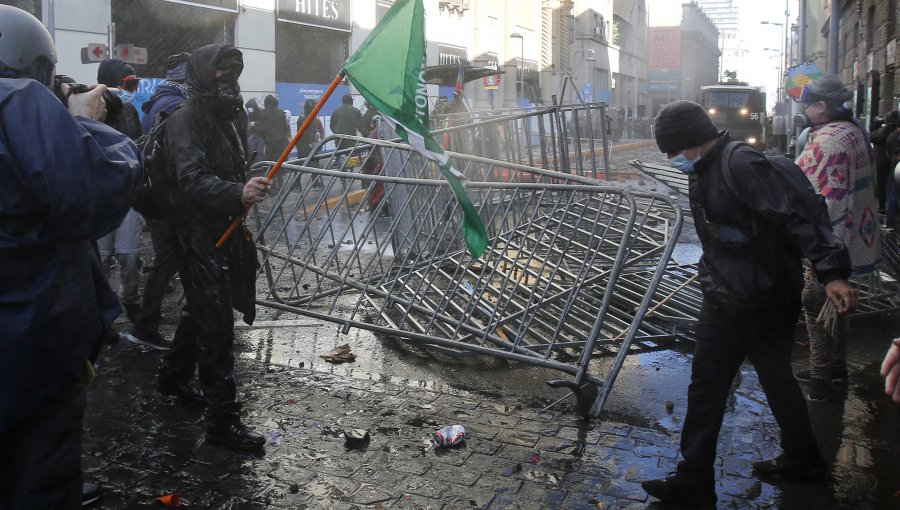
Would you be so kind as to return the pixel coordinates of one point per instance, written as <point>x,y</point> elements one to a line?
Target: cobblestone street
<point>141,445</point>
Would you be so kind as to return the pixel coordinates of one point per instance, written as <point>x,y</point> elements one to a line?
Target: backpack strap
<point>727,173</point>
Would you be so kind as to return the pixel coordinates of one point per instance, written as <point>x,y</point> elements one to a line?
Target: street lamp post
<point>781,96</point>
<point>520,66</point>
<point>780,71</point>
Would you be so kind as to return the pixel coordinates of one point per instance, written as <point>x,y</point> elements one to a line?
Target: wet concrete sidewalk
<point>142,445</point>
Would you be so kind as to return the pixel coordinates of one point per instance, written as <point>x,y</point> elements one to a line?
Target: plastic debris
<point>450,435</point>
<point>170,500</point>
<point>356,438</point>
<point>340,354</point>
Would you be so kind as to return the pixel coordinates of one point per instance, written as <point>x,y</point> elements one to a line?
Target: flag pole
<point>306,122</point>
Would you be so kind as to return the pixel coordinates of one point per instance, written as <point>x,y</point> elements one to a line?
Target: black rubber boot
<point>233,435</point>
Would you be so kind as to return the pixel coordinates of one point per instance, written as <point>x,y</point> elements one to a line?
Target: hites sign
<point>334,14</point>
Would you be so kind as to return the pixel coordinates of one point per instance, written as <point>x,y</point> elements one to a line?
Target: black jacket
<point>206,143</point>
<point>345,120</point>
<point>275,131</point>
<point>753,246</point>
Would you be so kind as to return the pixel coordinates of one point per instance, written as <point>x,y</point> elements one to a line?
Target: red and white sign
<point>665,49</point>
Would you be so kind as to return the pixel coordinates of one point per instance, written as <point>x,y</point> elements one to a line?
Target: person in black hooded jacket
<point>754,232</point>
<point>274,128</point>
<point>206,143</point>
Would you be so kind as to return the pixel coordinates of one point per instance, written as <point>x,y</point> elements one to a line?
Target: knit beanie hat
<point>681,125</point>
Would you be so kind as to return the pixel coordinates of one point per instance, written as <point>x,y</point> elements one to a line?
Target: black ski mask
<point>228,91</point>
<point>222,93</point>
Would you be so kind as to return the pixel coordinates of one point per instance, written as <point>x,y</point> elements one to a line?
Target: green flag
<point>388,70</point>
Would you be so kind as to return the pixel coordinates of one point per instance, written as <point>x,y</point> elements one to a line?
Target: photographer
<point>67,180</point>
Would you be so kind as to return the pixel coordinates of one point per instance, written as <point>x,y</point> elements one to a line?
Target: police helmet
<point>26,47</point>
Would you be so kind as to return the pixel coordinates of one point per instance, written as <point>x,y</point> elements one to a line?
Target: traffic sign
<point>130,53</point>
<point>94,52</point>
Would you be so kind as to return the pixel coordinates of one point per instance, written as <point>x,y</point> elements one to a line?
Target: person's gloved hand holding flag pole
<point>388,70</point>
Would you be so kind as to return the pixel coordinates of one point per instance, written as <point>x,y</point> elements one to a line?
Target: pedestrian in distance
<point>884,167</point>
<point>125,241</point>
<point>840,165</point>
<point>345,121</point>
<point>273,127</point>
<point>67,180</point>
<point>168,96</point>
<point>756,219</point>
<point>256,144</point>
<point>206,142</point>
<point>313,134</point>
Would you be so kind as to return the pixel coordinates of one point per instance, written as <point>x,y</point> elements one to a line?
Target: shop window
<point>167,28</point>
<point>306,54</point>
<point>30,6</point>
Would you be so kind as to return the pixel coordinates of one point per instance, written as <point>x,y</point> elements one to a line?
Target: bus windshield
<point>728,99</point>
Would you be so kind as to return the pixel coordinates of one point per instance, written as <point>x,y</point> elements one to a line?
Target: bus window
<point>727,99</point>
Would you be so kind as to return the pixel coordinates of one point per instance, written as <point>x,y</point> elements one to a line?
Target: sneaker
<point>818,390</point>
<point>150,339</point>
<point>90,492</point>
<point>838,376</point>
<point>787,469</point>
<point>189,393</point>
<point>682,489</point>
<point>234,436</point>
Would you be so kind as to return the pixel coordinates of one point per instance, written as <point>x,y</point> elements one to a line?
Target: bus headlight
<point>712,111</point>
<point>751,140</point>
<point>744,112</point>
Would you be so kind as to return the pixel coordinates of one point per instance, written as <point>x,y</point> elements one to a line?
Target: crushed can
<point>450,435</point>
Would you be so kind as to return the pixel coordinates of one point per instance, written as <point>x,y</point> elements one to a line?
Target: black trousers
<point>724,339</point>
<point>40,458</point>
<point>161,272</point>
<point>204,340</point>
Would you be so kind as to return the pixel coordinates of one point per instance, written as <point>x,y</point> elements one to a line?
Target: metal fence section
<point>565,138</point>
<point>378,245</point>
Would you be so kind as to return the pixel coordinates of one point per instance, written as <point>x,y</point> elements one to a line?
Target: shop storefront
<point>168,27</point>
<point>312,42</point>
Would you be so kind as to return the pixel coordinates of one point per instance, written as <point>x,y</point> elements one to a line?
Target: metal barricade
<point>380,247</point>
<point>566,138</point>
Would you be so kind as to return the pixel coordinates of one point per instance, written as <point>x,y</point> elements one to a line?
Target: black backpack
<point>796,179</point>
<point>155,196</point>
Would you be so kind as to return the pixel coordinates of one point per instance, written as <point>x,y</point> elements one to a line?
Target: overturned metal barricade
<point>565,138</point>
<point>385,253</point>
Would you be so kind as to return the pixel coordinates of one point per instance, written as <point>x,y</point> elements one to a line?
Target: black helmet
<point>26,47</point>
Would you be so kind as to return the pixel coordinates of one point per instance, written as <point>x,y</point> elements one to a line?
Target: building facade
<point>543,49</point>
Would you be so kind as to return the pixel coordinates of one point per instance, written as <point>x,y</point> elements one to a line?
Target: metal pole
<point>834,26</point>
<point>522,53</point>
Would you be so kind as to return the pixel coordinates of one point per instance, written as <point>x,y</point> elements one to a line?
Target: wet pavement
<point>142,445</point>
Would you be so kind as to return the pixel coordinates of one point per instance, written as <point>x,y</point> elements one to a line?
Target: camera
<point>113,103</point>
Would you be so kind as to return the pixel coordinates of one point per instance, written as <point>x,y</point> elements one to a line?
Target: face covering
<point>228,91</point>
<point>681,162</point>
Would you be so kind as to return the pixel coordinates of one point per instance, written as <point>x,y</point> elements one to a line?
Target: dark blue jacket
<point>66,181</point>
<point>165,99</point>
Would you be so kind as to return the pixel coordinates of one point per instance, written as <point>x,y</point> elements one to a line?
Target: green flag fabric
<point>388,70</point>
